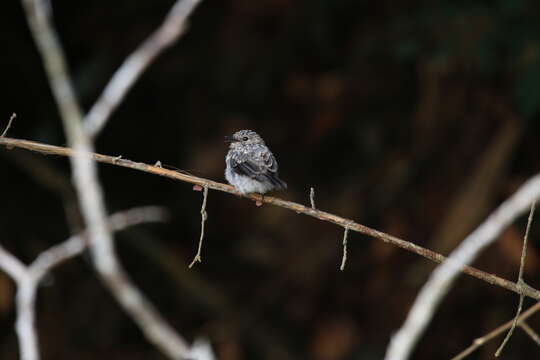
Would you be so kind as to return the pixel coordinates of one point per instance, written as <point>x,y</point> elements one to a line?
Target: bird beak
<point>229,139</point>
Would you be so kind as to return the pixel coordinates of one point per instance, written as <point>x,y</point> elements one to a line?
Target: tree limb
<point>298,208</point>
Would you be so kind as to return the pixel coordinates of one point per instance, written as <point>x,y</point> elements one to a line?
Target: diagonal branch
<point>532,186</point>
<point>135,64</point>
<point>11,265</point>
<point>76,244</point>
<point>529,330</point>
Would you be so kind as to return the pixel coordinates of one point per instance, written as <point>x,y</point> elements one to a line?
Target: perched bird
<point>251,166</point>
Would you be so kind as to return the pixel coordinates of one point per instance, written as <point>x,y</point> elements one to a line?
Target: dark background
<point>416,118</point>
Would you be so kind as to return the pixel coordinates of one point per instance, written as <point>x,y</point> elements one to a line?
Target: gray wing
<point>259,165</point>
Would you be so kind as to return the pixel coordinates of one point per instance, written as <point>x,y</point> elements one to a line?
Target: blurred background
<point>413,117</point>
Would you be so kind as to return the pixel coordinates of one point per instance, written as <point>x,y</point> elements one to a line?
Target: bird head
<point>244,137</point>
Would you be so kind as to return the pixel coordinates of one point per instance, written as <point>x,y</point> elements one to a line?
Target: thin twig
<point>520,281</point>
<point>312,198</point>
<point>442,278</point>
<point>532,334</point>
<point>529,190</point>
<point>344,257</point>
<point>204,216</point>
<point>11,118</point>
<point>135,64</point>
<point>496,332</point>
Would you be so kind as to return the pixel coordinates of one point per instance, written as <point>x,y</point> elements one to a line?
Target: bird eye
<point>245,138</point>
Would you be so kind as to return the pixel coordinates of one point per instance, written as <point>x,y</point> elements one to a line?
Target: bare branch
<point>12,117</point>
<point>154,327</point>
<point>344,257</point>
<point>135,64</point>
<point>11,265</point>
<point>24,325</point>
<point>76,244</point>
<point>84,169</point>
<point>89,190</point>
<point>204,216</point>
<point>498,331</point>
<point>312,197</point>
<point>28,278</point>
<point>520,281</point>
<point>298,208</point>
<point>444,275</point>
<point>532,334</point>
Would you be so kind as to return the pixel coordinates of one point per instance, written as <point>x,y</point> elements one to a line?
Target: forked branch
<point>27,278</point>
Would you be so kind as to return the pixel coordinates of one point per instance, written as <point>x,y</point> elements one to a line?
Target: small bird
<point>251,166</point>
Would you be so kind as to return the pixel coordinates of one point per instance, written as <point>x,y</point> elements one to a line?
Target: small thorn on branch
<point>344,257</point>
<point>312,197</point>
<point>12,117</point>
<point>204,216</point>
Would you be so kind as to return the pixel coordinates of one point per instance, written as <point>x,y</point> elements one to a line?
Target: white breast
<point>246,184</point>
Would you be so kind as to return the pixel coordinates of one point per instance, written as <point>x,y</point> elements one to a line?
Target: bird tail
<point>280,184</point>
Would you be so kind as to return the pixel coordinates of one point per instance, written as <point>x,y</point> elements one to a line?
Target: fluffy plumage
<point>251,166</point>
